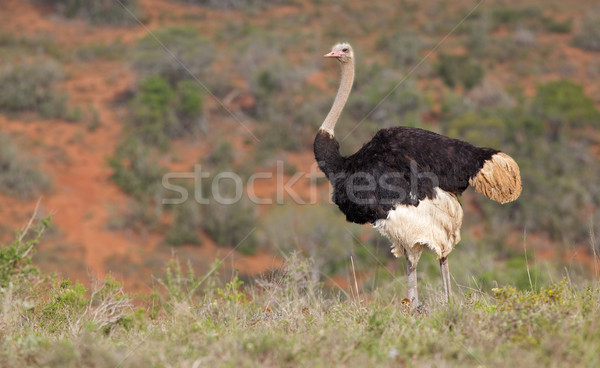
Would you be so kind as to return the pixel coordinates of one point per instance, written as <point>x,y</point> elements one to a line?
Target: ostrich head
<point>341,51</point>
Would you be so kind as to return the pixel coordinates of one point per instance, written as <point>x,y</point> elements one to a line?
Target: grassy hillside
<point>286,318</point>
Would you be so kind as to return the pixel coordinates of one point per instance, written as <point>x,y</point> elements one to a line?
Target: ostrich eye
<point>345,50</point>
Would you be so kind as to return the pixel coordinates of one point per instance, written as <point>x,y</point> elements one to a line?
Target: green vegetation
<point>588,36</point>
<point>235,4</point>
<point>564,103</point>
<point>103,51</point>
<point>460,70</point>
<point>288,319</point>
<point>14,46</point>
<point>175,53</point>
<point>160,112</point>
<point>231,225</point>
<point>320,233</point>
<point>264,65</point>
<point>107,12</point>
<point>19,175</point>
<point>185,224</point>
<point>32,87</point>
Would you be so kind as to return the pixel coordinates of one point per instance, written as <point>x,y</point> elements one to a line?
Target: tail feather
<point>499,179</point>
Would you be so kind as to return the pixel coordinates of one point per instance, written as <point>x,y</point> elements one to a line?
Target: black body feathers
<point>399,165</point>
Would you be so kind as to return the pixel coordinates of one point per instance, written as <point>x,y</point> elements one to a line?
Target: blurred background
<point>100,99</point>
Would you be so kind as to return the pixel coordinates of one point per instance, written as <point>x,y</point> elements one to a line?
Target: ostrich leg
<point>446,277</point>
<point>413,294</point>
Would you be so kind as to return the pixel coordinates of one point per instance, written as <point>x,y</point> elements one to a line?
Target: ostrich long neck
<point>341,97</point>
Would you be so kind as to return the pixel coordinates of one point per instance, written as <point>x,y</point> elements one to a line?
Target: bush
<point>478,130</point>
<point>221,156</point>
<point>405,48</point>
<point>136,171</point>
<point>552,25</point>
<point>17,45</point>
<point>32,87</point>
<point>185,225</point>
<point>97,11</point>
<point>189,54</point>
<point>19,176</point>
<point>231,225</point>
<point>588,37</point>
<point>160,112</point>
<point>15,258</point>
<point>564,103</point>
<point>511,16</point>
<point>459,70</point>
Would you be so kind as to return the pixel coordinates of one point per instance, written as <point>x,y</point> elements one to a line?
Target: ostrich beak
<point>333,54</point>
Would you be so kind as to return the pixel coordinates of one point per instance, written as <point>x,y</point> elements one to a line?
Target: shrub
<point>564,102</point>
<point>231,224</point>
<point>32,87</point>
<point>17,45</point>
<point>552,25</point>
<point>189,54</point>
<point>459,70</point>
<point>478,130</point>
<point>160,112</point>
<point>185,225</point>
<point>405,48</point>
<point>510,16</point>
<point>221,156</point>
<point>135,169</point>
<point>15,258</point>
<point>19,176</point>
<point>97,11</point>
<point>588,37</point>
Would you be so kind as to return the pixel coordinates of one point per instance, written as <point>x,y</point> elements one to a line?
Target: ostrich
<point>406,181</point>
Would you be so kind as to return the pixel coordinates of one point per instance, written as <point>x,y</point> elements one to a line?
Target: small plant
<point>15,258</point>
<point>588,37</point>
<point>19,176</point>
<point>32,87</point>
<point>185,224</point>
<point>552,25</point>
<point>135,169</point>
<point>459,70</point>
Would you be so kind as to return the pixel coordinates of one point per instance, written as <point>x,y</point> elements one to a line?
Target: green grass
<point>287,318</point>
